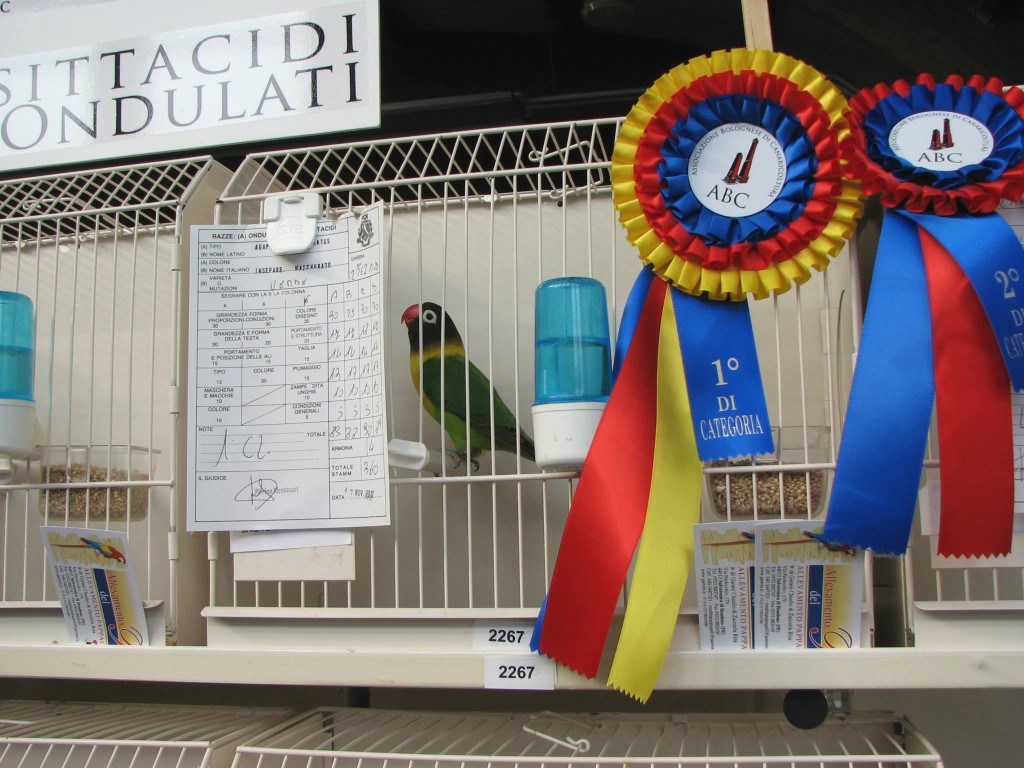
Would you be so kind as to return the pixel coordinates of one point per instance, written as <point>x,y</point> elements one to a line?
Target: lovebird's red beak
<point>410,315</point>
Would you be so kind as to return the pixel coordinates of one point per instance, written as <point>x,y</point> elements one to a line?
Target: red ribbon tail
<point>972,396</point>
<point>609,507</point>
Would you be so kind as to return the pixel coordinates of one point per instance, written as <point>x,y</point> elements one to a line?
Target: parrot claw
<point>457,460</point>
<point>453,460</point>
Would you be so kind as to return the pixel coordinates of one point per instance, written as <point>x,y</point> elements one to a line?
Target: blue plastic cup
<point>17,346</point>
<point>573,373</point>
<point>573,350</point>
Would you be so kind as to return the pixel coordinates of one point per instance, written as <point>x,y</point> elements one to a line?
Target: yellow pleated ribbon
<point>666,545</point>
<point>732,283</point>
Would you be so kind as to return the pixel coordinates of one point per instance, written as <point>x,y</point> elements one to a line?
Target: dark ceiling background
<point>451,64</point>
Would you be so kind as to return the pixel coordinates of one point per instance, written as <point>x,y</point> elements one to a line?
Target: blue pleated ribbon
<point>715,229</point>
<point>538,625</point>
<point>886,427</point>
<point>988,108</point>
<point>730,415</point>
<point>989,253</point>
<point>630,316</point>
<point>723,377</point>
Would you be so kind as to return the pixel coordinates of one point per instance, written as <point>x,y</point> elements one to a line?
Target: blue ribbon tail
<point>538,627</point>
<point>630,317</point>
<point>730,414</point>
<point>885,433</point>
<point>989,253</point>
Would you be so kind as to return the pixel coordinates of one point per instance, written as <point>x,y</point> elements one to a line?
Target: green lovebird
<point>429,317</point>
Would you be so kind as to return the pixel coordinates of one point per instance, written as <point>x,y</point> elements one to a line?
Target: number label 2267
<point>510,636</point>
<point>516,671</point>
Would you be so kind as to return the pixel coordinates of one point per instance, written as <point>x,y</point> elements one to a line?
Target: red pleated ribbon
<point>609,507</point>
<point>972,396</point>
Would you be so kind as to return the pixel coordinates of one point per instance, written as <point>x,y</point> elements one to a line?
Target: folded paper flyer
<point>809,592</point>
<point>724,566</point>
<point>96,585</point>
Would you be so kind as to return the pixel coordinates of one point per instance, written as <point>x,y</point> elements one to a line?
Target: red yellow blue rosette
<point>762,262</point>
<point>943,316</point>
<point>757,131</point>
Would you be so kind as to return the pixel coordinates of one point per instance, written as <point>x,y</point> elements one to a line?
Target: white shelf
<point>876,668</point>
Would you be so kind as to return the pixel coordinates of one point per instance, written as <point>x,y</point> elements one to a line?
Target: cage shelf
<point>379,739</point>
<point>79,735</point>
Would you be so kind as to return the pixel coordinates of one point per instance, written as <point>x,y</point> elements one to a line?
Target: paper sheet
<point>808,595</point>
<point>724,564</point>
<point>96,586</point>
<point>286,419</point>
<point>266,541</point>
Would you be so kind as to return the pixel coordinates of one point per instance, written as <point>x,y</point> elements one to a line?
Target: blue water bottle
<point>572,369</point>
<point>17,366</point>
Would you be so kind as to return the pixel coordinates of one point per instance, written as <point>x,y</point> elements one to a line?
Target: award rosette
<point>728,179</point>
<point>945,315</point>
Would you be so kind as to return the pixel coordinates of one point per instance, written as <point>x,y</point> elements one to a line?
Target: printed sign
<point>524,672</point>
<point>244,80</point>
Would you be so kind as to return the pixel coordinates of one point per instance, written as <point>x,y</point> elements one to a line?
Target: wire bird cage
<point>77,735</point>
<point>474,221</point>
<point>99,254</point>
<point>378,739</point>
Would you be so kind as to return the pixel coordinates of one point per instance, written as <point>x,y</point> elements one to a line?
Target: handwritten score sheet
<point>286,418</point>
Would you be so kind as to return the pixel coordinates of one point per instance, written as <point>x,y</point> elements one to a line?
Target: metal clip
<point>579,746</point>
<point>291,221</point>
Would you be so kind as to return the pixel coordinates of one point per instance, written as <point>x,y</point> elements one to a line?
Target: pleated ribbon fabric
<point>727,179</point>
<point>943,320</point>
<point>609,507</point>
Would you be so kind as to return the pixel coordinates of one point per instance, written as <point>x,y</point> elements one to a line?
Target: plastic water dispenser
<point>17,364</point>
<point>573,369</point>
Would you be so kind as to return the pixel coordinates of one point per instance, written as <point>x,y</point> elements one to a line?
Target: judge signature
<point>258,492</point>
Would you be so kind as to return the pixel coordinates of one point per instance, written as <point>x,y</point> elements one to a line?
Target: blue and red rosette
<point>940,318</point>
<point>900,184</point>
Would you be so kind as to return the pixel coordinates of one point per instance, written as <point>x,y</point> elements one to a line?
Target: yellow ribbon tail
<point>665,552</point>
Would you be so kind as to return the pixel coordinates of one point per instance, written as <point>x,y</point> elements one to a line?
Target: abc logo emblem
<point>941,141</point>
<point>737,170</point>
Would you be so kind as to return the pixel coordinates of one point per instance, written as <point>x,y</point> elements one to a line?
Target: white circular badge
<point>941,141</point>
<point>737,170</point>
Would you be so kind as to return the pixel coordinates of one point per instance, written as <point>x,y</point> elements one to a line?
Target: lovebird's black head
<point>432,316</point>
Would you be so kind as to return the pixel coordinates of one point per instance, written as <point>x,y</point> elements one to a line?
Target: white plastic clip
<point>408,454</point>
<point>291,221</point>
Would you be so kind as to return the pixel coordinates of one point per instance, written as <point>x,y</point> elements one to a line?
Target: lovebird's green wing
<point>479,406</point>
